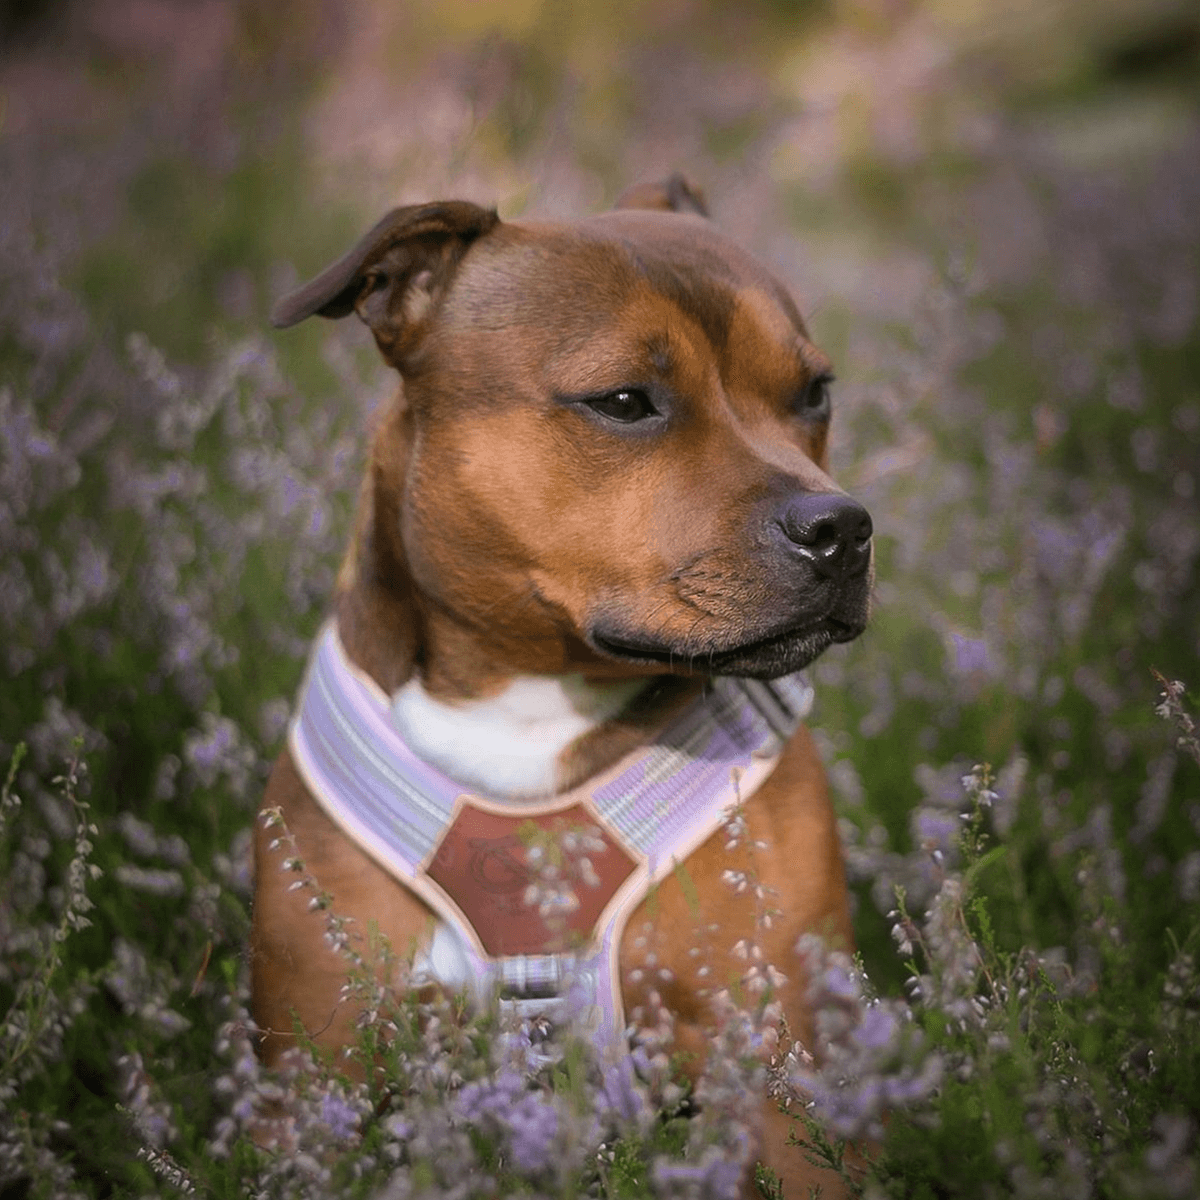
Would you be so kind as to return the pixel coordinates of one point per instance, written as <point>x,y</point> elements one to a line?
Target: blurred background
<point>989,211</point>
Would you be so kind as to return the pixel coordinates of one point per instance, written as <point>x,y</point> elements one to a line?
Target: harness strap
<point>468,856</point>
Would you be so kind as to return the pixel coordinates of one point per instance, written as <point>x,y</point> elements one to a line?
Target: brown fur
<point>505,528</point>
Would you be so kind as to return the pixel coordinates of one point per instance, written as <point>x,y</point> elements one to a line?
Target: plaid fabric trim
<point>783,703</point>
<point>532,974</point>
<point>565,989</point>
<point>359,767</point>
<point>658,802</point>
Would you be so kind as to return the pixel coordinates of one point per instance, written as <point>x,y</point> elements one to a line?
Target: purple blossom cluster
<point>527,1121</point>
<point>868,1057</point>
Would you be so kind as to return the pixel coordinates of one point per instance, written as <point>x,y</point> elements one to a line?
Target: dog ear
<point>393,274</point>
<point>675,194</point>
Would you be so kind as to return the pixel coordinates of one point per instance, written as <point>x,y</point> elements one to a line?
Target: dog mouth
<point>779,653</point>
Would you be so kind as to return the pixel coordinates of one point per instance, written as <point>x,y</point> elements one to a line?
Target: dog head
<point>610,453</point>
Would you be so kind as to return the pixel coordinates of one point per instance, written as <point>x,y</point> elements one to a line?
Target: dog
<point>596,540</point>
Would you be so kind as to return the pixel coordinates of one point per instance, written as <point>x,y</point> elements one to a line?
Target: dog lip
<point>843,631</point>
<point>629,648</point>
<point>646,651</point>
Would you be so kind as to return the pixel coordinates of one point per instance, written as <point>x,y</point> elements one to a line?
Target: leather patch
<point>483,864</point>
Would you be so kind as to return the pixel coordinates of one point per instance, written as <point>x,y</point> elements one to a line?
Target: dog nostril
<point>821,536</point>
<point>831,531</point>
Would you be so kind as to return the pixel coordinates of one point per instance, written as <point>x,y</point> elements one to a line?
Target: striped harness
<point>480,863</point>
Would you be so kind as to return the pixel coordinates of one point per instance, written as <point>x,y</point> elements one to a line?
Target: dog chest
<point>534,894</point>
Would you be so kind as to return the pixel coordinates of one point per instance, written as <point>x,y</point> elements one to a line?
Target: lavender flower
<point>868,1056</point>
<point>527,1122</point>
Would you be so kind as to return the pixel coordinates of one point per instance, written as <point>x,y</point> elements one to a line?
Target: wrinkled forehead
<point>565,281</point>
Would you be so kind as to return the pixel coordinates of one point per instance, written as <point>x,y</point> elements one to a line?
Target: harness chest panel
<point>479,862</point>
<point>483,863</point>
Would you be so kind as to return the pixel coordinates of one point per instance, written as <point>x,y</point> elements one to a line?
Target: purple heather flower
<point>533,1128</point>
<point>714,1175</point>
<point>934,830</point>
<point>840,983</point>
<point>339,1116</point>
<point>621,1093</point>
<point>968,655</point>
<point>877,1028</point>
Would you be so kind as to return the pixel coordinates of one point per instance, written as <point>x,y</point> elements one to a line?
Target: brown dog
<point>600,494</point>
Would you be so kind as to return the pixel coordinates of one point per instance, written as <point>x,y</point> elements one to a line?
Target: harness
<point>480,863</point>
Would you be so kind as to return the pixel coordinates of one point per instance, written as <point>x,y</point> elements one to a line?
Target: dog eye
<point>813,403</point>
<point>625,406</point>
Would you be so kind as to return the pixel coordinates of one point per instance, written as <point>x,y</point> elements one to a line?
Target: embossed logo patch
<point>483,863</point>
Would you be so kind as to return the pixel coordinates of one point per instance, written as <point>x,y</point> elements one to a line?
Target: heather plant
<point>1004,268</point>
<point>999,1073</point>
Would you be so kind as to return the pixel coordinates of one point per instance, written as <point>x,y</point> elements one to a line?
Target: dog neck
<point>512,745</point>
<point>510,735</point>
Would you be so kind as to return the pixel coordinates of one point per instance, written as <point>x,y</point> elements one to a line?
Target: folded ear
<point>393,275</point>
<point>675,194</point>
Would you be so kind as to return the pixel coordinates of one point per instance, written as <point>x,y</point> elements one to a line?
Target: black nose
<point>831,531</point>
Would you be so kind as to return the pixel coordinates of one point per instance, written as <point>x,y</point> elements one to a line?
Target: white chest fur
<point>508,745</point>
